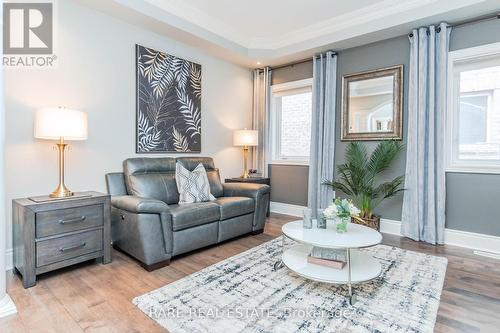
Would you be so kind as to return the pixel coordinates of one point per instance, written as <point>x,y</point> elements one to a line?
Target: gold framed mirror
<point>372,105</point>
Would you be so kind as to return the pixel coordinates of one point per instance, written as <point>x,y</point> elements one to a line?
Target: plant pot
<point>373,223</point>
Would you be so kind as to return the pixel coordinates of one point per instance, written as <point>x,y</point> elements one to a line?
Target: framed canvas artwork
<point>168,110</point>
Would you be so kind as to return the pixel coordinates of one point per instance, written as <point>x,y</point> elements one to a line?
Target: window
<point>291,109</point>
<point>473,124</point>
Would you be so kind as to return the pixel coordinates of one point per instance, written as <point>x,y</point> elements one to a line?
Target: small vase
<point>307,218</point>
<point>321,221</point>
<point>341,226</point>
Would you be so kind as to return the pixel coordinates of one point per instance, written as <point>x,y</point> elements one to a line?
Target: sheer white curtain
<point>260,117</point>
<point>321,161</point>
<point>423,216</point>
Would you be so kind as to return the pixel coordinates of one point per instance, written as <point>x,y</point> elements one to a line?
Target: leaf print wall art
<point>168,103</point>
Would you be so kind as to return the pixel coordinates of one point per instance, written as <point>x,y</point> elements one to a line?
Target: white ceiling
<point>279,31</point>
<point>271,18</point>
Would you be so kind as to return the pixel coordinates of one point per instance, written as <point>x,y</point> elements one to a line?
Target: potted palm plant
<point>357,178</point>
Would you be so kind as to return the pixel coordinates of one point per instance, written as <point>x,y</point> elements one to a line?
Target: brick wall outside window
<point>296,125</point>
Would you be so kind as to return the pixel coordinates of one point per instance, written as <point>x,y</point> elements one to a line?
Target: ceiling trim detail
<point>390,11</point>
<point>383,19</point>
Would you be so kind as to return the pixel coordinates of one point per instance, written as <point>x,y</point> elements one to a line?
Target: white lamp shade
<point>54,123</point>
<point>246,138</point>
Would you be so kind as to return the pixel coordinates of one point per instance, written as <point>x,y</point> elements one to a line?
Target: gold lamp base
<point>61,190</point>
<point>245,157</point>
<point>245,175</point>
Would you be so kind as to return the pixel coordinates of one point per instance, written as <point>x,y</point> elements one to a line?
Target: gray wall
<point>289,183</point>
<point>295,72</point>
<point>472,202</point>
<point>470,197</point>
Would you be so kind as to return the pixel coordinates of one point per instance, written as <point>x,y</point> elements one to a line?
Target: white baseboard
<point>486,245</point>
<point>472,240</point>
<point>487,254</point>
<point>9,259</point>
<point>287,209</point>
<point>391,227</point>
<point>7,306</point>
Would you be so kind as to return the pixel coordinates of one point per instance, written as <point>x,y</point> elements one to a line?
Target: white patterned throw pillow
<point>193,186</point>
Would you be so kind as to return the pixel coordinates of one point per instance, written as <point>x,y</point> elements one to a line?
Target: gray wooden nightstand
<point>56,233</point>
<point>255,180</point>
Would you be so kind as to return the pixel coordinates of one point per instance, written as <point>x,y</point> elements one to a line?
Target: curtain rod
<point>300,61</point>
<point>477,20</point>
<point>461,24</point>
<point>468,22</point>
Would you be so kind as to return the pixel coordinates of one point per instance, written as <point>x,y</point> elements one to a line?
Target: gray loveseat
<point>148,224</point>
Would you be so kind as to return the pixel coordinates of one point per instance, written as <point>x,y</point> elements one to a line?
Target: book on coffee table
<point>329,254</point>
<point>337,264</point>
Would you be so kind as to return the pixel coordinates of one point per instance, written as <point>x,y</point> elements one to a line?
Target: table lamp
<point>61,124</point>
<point>245,138</point>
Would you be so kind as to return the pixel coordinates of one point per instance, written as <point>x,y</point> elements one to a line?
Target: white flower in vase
<point>344,209</point>
<point>330,213</point>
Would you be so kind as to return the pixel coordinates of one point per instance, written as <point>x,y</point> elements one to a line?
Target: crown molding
<point>387,13</point>
<point>197,17</point>
<point>381,20</point>
<point>358,18</point>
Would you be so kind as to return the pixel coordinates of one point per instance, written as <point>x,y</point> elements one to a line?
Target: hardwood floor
<point>97,298</point>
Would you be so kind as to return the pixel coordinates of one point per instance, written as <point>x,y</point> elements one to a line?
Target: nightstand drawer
<point>59,221</point>
<point>57,249</point>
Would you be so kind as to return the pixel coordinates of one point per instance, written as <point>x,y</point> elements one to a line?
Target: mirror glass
<point>371,105</point>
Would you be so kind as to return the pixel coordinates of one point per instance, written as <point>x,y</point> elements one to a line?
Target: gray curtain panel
<point>321,161</point>
<point>423,216</point>
<point>260,117</point>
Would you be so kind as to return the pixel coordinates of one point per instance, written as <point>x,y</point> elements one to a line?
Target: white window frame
<point>275,119</point>
<point>452,126</point>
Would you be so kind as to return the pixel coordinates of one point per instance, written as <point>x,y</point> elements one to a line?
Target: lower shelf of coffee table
<point>363,266</point>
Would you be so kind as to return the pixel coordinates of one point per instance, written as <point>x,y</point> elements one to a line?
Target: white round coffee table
<point>360,266</point>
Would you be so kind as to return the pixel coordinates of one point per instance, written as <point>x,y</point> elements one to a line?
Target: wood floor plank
<point>97,298</point>
<point>40,311</point>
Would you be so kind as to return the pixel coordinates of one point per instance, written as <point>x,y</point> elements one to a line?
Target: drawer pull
<point>69,248</point>
<point>78,219</point>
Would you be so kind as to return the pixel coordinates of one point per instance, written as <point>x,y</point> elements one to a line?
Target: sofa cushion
<point>212,173</point>
<point>152,178</point>
<point>234,206</point>
<point>193,185</point>
<point>191,163</point>
<point>193,214</point>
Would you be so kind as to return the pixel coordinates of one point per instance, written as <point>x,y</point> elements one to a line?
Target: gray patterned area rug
<point>244,294</point>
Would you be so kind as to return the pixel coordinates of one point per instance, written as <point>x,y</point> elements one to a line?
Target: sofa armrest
<point>249,190</point>
<point>137,205</point>
<point>136,222</point>
<point>258,192</point>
